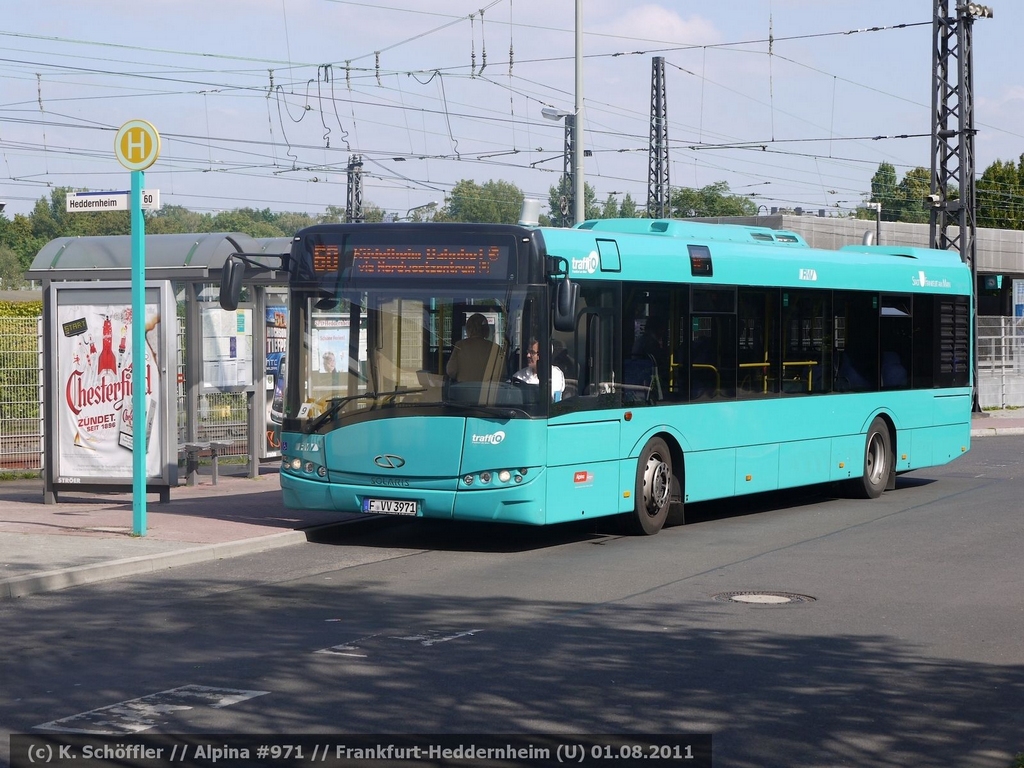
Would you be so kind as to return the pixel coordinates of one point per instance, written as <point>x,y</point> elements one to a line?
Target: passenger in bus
<point>848,376</point>
<point>528,373</point>
<point>653,342</point>
<point>650,351</point>
<point>894,374</point>
<point>476,357</point>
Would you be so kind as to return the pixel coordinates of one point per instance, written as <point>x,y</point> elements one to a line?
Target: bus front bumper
<point>523,504</point>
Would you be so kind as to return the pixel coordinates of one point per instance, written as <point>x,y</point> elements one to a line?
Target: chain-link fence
<point>1000,362</point>
<point>21,393</point>
<point>223,416</point>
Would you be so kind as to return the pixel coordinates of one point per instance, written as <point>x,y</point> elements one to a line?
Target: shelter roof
<point>168,257</point>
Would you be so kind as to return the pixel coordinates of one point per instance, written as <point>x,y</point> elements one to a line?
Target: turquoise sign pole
<point>137,146</point>
<point>138,357</point>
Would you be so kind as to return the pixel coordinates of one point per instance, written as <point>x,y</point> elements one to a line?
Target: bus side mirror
<point>566,293</point>
<point>231,275</point>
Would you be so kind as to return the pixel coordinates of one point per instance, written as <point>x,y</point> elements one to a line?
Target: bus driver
<point>476,357</point>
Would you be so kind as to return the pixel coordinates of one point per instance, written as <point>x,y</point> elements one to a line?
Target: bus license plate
<point>390,507</point>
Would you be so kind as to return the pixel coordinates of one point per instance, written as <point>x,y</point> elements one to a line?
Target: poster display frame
<point>73,311</point>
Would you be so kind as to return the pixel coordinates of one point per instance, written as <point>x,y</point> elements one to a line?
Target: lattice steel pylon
<point>658,203</point>
<point>567,202</point>
<point>953,160</point>
<point>354,194</point>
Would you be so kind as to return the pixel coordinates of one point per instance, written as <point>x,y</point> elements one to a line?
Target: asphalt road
<point>900,645</point>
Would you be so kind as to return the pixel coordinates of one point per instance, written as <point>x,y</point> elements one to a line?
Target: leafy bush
<point>21,308</point>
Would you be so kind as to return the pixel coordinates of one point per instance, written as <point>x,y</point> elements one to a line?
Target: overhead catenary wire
<point>453,137</point>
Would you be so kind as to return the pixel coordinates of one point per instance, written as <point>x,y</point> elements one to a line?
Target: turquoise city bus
<point>674,362</point>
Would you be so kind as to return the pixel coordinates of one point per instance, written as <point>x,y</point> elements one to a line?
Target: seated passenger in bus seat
<point>476,357</point>
<point>848,377</point>
<point>894,374</point>
<point>653,342</point>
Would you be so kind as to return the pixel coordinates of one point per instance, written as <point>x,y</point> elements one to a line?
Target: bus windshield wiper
<point>494,411</point>
<point>335,404</point>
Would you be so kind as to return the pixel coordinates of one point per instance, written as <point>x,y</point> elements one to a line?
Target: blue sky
<point>261,103</point>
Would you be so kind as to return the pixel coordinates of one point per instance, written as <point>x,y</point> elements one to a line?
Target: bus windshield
<point>408,351</point>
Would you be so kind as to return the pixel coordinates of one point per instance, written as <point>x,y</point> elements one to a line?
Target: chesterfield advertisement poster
<point>96,377</point>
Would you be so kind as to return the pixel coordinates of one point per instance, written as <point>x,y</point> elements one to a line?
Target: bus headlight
<point>493,477</point>
<point>305,467</point>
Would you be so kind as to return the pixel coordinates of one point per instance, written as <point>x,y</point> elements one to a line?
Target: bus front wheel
<point>878,461</point>
<point>653,491</point>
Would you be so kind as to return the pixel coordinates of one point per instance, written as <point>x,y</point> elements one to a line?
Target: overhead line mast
<point>658,203</point>
<point>953,161</point>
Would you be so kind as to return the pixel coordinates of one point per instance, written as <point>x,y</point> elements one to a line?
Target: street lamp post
<point>579,189</point>
<point>425,207</point>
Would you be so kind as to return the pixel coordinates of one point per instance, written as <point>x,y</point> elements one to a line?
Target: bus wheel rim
<point>875,458</point>
<point>656,484</point>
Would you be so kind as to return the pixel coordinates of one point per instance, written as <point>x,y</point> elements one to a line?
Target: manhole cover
<point>763,598</point>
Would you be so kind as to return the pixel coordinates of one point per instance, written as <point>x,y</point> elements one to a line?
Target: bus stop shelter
<point>227,364</point>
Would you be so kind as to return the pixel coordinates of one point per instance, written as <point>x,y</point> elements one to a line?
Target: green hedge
<point>21,308</point>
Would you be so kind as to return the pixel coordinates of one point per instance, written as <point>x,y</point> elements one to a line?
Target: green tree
<point>335,214</point>
<point>559,197</point>
<point>12,272</point>
<point>495,202</point>
<point>17,235</point>
<point>245,220</point>
<point>712,200</point>
<point>628,209</point>
<point>911,194</point>
<point>884,190</point>
<point>1000,193</point>
<point>175,219</point>
<point>290,222</point>
<point>372,214</point>
<point>610,209</point>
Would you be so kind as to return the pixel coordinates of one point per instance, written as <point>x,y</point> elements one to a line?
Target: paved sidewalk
<point>88,537</point>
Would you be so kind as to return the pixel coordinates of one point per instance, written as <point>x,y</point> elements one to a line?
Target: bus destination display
<point>458,261</point>
<point>326,258</point>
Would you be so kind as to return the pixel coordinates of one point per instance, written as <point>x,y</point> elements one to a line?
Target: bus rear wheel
<point>878,461</point>
<point>653,491</point>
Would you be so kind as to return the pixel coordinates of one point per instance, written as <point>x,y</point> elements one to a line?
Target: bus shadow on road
<point>789,498</point>
<point>472,536</point>
<point>460,535</point>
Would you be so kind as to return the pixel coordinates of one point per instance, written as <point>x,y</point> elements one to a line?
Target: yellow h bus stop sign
<point>137,145</point>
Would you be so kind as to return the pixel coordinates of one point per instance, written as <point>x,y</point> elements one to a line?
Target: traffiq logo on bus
<point>587,264</point>
<point>492,439</point>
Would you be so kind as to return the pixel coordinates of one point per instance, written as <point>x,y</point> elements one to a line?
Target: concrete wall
<point>1000,251</point>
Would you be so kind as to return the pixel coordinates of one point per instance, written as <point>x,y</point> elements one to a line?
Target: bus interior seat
<point>848,377</point>
<point>639,375</point>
